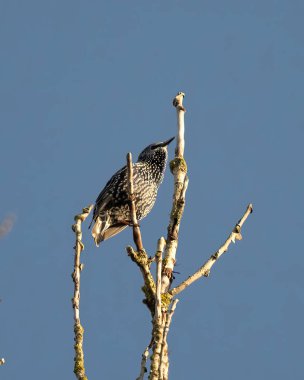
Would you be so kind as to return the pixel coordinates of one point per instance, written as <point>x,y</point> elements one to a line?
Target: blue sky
<point>83,83</point>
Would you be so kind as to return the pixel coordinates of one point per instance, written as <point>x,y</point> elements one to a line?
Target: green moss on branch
<point>79,368</point>
<point>144,262</point>
<point>178,163</point>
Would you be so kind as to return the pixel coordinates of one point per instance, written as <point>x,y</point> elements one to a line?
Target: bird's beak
<point>165,143</point>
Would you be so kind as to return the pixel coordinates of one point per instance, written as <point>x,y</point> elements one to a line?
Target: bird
<point>111,213</point>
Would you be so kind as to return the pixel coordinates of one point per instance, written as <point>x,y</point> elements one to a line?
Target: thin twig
<point>170,313</point>
<point>178,168</point>
<point>79,368</point>
<point>164,366</point>
<point>178,104</point>
<point>136,229</point>
<point>205,269</point>
<point>140,256</point>
<point>143,368</point>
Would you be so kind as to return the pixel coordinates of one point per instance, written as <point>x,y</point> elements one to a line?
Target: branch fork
<point>205,269</point>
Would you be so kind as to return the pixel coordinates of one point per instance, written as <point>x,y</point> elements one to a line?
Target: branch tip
<point>205,269</point>
<point>178,101</point>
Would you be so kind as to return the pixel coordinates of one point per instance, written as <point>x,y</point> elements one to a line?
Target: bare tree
<point>160,298</point>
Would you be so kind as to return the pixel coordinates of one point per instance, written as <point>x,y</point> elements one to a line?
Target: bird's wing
<point>118,182</point>
<point>105,196</point>
<point>113,182</point>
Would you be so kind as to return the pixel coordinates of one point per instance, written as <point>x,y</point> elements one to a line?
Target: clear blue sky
<point>83,83</point>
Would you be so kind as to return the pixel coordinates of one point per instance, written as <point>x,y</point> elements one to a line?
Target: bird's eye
<point>153,146</point>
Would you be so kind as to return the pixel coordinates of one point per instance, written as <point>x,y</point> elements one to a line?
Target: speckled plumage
<point>111,213</point>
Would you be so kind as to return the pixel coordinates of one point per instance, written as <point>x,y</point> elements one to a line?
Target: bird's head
<point>155,150</point>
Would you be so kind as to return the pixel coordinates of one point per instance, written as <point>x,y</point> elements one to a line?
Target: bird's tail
<point>103,230</point>
<point>97,230</point>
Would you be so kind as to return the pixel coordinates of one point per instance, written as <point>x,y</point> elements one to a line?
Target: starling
<point>111,213</point>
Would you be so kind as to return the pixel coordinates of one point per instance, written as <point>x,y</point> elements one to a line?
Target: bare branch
<point>157,336</point>
<point>205,269</point>
<point>158,321</point>
<point>143,368</point>
<point>178,104</point>
<point>158,303</point>
<point>164,366</point>
<point>140,257</point>
<point>178,168</point>
<point>136,229</point>
<point>170,313</point>
<point>79,368</point>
